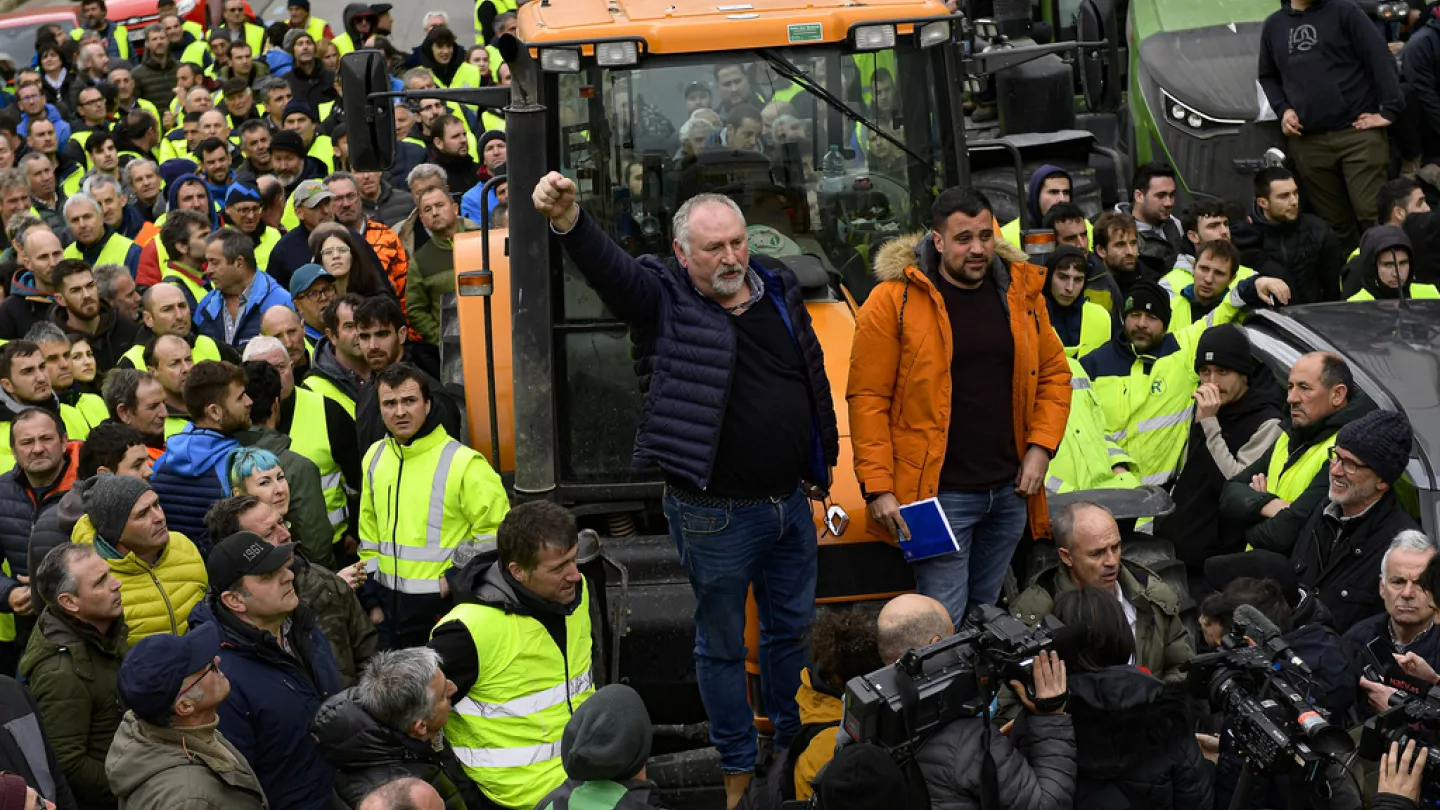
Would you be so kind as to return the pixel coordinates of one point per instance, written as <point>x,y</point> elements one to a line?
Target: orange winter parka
<point>899,391</point>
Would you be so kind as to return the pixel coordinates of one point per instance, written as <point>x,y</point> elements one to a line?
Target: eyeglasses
<point>1350,467</point>
<point>209,668</point>
<point>338,250</point>
<point>320,294</point>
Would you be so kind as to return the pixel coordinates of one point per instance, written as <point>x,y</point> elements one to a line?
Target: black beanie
<point>608,737</point>
<point>862,777</point>
<point>1380,439</point>
<point>1147,296</point>
<point>1225,346</point>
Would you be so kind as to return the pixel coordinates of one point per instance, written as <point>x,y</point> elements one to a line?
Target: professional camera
<point>900,706</point>
<point>1414,714</point>
<point>1262,689</point>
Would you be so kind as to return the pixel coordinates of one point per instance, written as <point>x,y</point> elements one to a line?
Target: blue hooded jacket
<point>62,127</point>
<point>279,61</point>
<point>190,477</point>
<point>1037,181</point>
<point>172,189</point>
<point>265,292</point>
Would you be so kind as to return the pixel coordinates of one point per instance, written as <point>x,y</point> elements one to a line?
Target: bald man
<point>909,622</point>
<point>403,794</point>
<point>1088,541</point>
<point>284,324</point>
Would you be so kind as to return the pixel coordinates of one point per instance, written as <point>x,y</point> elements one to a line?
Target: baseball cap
<point>380,8</point>
<point>311,193</point>
<point>242,554</point>
<point>155,669</point>
<point>305,278</point>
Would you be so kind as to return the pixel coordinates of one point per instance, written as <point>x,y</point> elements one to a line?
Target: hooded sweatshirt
<point>1328,64</point>
<point>1037,182</point>
<point>151,268</point>
<point>25,305</point>
<point>190,477</point>
<point>1065,319</point>
<point>444,72</point>
<point>1375,243</point>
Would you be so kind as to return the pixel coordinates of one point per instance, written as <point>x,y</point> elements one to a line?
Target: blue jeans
<point>987,527</point>
<point>724,551</point>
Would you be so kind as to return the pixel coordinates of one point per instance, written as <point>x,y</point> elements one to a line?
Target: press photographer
<point>931,712</point>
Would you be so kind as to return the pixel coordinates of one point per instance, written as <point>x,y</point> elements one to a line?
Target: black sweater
<point>1329,64</point>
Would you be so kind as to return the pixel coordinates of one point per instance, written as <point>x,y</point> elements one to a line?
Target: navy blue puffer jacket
<point>689,354</point>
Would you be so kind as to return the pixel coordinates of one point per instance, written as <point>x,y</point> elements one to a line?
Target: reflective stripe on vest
<point>1287,479</point>
<point>310,437</point>
<point>506,731</point>
<point>405,567</point>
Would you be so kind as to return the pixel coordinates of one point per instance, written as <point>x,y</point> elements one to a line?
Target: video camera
<point>900,706</point>
<point>1273,724</point>
<point>1414,706</point>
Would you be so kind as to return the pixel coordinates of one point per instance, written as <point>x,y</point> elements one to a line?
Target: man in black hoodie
<point>1237,418</point>
<point>1279,240</point>
<point>1329,76</point>
<point>1384,269</point>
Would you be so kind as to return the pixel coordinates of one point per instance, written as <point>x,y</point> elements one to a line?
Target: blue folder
<point>930,534</point>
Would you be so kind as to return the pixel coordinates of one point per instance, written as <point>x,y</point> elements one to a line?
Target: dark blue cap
<point>156,667</point>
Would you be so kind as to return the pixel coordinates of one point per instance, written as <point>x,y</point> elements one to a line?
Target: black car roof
<point>1396,346</point>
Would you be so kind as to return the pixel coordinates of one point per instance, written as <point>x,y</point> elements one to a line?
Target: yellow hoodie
<point>815,707</point>
<point>157,599</point>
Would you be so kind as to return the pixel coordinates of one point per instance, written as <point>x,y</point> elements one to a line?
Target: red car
<point>17,28</point>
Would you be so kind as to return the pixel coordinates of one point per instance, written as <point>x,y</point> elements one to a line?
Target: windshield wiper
<point>789,70</point>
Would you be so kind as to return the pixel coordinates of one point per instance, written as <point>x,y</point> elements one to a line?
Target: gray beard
<point>728,288</point>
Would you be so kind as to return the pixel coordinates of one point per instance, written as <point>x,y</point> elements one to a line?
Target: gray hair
<point>82,61</point>
<point>415,73</point>
<point>695,126</point>
<point>444,17</point>
<point>47,332</point>
<point>31,157</point>
<point>427,171</point>
<point>680,225</point>
<point>260,344</point>
<point>264,85</point>
<point>14,178</point>
<point>105,277</point>
<point>82,199</point>
<point>1062,526</point>
<point>128,173</point>
<point>343,175</point>
<point>395,686</point>
<point>152,28</point>
<point>397,794</point>
<point>501,20</point>
<point>234,244</point>
<point>97,181</point>
<point>1408,540</point>
<point>52,575</point>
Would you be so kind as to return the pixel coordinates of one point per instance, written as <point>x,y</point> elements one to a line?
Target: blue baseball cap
<point>306,276</point>
<point>156,667</point>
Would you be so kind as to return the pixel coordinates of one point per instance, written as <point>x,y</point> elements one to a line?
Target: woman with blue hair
<point>257,471</point>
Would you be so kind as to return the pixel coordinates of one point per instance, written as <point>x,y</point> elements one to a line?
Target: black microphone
<point>1258,627</point>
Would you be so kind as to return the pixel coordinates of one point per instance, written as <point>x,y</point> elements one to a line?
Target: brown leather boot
<point>735,784</point>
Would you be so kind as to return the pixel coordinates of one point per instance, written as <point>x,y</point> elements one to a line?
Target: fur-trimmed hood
<point>918,250</point>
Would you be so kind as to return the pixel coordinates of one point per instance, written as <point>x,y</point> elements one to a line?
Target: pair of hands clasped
<point>1290,122</point>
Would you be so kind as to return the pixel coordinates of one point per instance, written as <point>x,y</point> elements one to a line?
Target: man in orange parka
<point>959,389</point>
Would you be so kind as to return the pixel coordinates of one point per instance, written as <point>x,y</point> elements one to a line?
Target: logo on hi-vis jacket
<point>1157,386</point>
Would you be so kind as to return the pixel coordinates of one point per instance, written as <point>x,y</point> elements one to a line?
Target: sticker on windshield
<point>805,32</point>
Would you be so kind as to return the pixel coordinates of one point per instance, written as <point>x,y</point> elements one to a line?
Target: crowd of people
<point>247,558</point>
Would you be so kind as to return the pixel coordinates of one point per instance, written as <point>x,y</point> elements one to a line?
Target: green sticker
<point>805,32</point>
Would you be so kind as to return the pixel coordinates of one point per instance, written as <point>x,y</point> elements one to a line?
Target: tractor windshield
<point>819,189</point>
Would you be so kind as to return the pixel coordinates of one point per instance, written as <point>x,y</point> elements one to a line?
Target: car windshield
<point>19,43</point>
<point>819,190</point>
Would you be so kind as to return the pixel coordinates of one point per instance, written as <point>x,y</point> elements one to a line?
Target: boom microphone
<point>1263,632</point>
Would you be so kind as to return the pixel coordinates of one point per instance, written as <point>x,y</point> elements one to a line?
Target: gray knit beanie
<point>108,501</point>
<point>608,737</point>
<point>292,35</point>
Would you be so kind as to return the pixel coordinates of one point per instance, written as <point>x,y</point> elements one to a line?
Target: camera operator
<point>1331,686</point>
<point>1034,767</point>
<point>1305,607</point>
<point>1133,744</point>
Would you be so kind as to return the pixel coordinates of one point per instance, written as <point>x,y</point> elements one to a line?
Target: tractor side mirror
<point>1099,67</point>
<point>372,127</point>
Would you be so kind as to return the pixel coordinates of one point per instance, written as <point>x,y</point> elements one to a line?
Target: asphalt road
<point>409,16</point>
